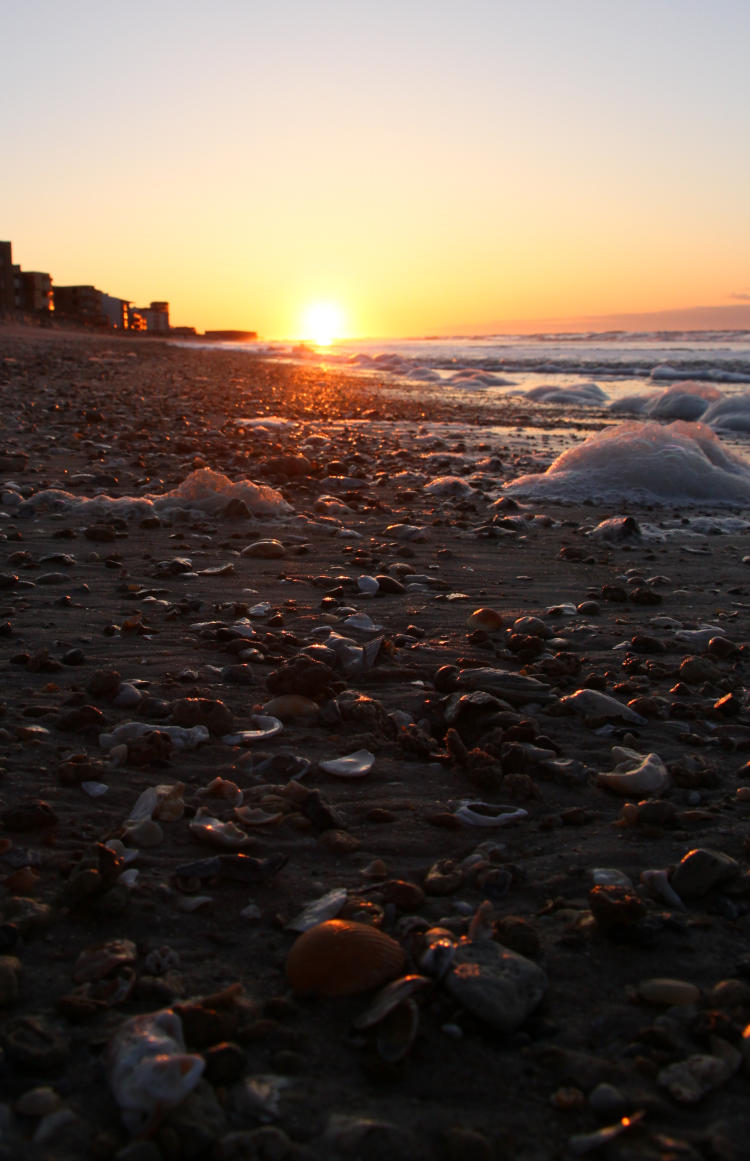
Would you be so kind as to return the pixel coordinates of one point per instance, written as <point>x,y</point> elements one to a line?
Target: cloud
<point>741,295</point>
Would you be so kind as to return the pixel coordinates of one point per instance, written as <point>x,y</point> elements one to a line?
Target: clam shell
<point>397,1032</point>
<point>354,765</point>
<point>648,775</point>
<point>391,997</point>
<point>473,813</point>
<point>341,958</point>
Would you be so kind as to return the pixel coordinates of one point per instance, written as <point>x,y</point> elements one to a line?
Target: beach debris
<point>634,774</point>
<point>473,813</point>
<point>341,958</point>
<point>149,1069</point>
<point>328,906</point>
<point>216,833</point>
<point>596,706</point>
<point>265,726</point>
<point>179,737</point>
<point>354,765</point>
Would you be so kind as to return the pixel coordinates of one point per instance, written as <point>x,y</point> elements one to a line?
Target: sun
<point>322,322</point>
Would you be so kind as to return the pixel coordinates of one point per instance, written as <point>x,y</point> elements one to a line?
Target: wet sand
<point>98,613</point>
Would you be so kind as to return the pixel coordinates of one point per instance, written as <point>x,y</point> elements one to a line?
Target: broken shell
<point>341,958</point>
<point>354,765</point>
<point>223,788</point>
<point>658,881</point>
<point>488,814</point>
<point>149,1069</point>
<point>489,620</point>
<point>646,775</point>
<point>212,830</point>
<point>390,997</point>
<point>397,1031</point>
<point>255,816</point>
<point>103,959</point>
<point>327,906</point>
<point>265,727</point>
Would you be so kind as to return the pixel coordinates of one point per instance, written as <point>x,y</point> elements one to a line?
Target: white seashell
<point>145,804</point>
<point>592,703</point>
<point>94,789</point>
<point>488,814</point>
<point>127,854</point>
<point>118,754</point>
<point>127,696</point>
<point>129,878</point>
<point>252,911</point>
<point>390,997</point>
<point>262,609</point>
<point>649,776</point>
<point>149,1069</point>
<point>255,816</point>
<point>362,623</point>
<point>265,727</point>
<point>326,907</point>
<point>354,765</point>
<point>658,881</point>
<point>212,830</point>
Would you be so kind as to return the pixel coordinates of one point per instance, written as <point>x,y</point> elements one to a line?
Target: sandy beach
<point>520,827</point>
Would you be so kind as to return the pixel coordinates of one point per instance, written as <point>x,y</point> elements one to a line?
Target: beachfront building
<point>7,280</point>
<point>116,311</point>
<point>37,296</point>
<point>153,319</point>
<point>80,304</point>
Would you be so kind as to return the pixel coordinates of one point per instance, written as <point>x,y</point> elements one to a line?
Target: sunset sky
<point>426,165</point>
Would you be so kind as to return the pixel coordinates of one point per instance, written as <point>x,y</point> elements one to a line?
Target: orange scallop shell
<point>487,619</point>
<point>342,958</point>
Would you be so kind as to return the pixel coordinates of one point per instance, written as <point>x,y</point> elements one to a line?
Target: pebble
<point>497,985</point>
<point>701,869</point>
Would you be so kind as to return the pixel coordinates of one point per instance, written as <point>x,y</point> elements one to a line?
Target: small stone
<point>499,986</point>
<point>268,1143</point>
<point>10,970</point>
<point>615,907</point>
<point>518,934</point>
<point>38,1102</point>
<point>700,870</point>
<point>668,991</point>
<point>34,1044</point>
<point>462,1144</point>
<point>339,842</point>
<point>690,1080</point>
<point>608,1101</point>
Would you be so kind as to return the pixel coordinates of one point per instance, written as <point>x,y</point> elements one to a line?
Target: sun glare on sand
<point>322,322</point>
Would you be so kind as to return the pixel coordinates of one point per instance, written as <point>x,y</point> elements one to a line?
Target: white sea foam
<point>729,413</point>
<point>203,492</point>
<point>681,463</point>
<point>686,400</point>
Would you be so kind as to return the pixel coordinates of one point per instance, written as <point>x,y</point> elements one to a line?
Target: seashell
<point>488,620</point>
<point>94,789</point>
<point>397,1032</point>
<point>658,881</point>
<point>170,805</point>
<point>355,765</point>
<point>265,727</point>
<point>94,963</point>
<point>290,706</point>
<point>592,703</point>
<point>212,830</point>
<point>145,805</point>
<point>488,814</point>
<point>192,902</point>
<point>327,906</point>
<point>149,1069</point>
<point>341,958</point>
<point>581,1143</point>
<point>256,816</point>
<point>361,623</point>
<point>512,687</point>
<point>669,992</point>
<point>649,775</point>
<point>610,877</point>
<point>391,997</point>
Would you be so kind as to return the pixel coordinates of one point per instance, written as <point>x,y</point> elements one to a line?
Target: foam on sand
<point>571,394</point>
<point>681,463</point>
<point>203,492</point>
<point>729,413</point>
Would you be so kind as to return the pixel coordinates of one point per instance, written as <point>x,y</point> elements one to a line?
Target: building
<point>36,293</point>
<point>81,304</point>
<point>154,318</point>
<point>7,280</point>
<point>116,311</point>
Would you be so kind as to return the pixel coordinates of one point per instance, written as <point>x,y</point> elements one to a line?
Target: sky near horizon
<point>429,166</point>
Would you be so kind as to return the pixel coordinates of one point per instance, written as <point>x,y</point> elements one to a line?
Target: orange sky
<point>429,167</point>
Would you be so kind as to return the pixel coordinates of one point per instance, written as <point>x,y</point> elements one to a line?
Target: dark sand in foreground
<point>83,596</point>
